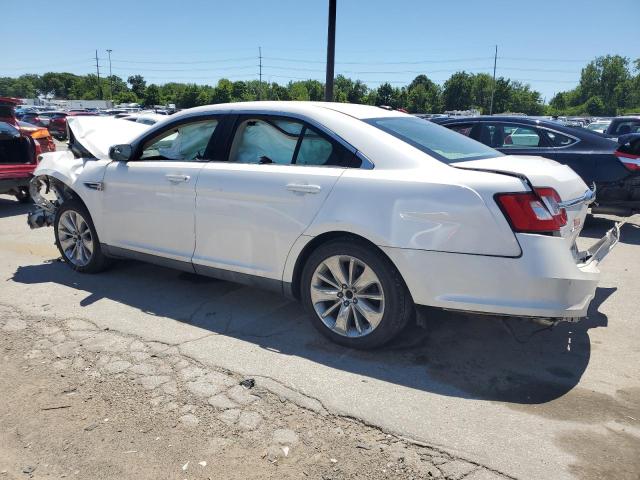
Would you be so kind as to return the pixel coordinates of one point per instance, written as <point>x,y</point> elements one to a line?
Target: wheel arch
<point>316,242</point>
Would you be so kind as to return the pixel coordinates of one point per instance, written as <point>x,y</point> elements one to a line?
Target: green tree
<point>152,96</point>
<point>138,85</point>
<point>456,92</point>
<point>223,92</point>
<point>298,91</point>
<point>595,106</point>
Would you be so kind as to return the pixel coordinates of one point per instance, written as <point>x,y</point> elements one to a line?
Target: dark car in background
<point>32,118</point>
<point>591,155</point>
<point>58,122</point>
<point>623,125</point>
<point>58,125</point>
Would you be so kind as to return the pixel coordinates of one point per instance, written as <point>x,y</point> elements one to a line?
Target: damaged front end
<point>48,194</point>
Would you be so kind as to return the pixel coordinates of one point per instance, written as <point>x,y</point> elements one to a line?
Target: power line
<point>193,62</point>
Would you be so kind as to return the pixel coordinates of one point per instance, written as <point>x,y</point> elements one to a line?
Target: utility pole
<point>493,90</point>
<point>98,73</point>
<point>110,75</point>
<point>331,52</point>
<point>260,73</point>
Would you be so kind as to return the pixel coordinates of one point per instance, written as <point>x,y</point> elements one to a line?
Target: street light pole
<point>110,76</point>
<point>331,52</point>
<point>493,90</point>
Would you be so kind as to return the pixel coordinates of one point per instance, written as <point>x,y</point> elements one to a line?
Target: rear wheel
<point>355,295</point>
<point>77,240</point>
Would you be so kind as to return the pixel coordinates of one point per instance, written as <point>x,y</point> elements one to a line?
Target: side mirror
<point>121,153</point>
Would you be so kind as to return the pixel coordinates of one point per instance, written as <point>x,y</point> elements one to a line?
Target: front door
<point>251,209</point>
<point>149,202</point>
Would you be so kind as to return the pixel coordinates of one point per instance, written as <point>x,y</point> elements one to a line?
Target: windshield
<point>439,142</point>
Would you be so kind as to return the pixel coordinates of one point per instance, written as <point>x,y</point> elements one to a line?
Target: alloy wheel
<point>75,238</point>
<point>347,296</point>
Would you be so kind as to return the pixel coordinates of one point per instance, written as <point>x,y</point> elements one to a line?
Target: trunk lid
<point>98,134</point>
<point>542,172</point>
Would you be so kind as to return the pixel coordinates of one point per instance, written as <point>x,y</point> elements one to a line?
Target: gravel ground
<point>84,402</point>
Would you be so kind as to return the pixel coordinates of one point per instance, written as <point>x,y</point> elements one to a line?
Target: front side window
<point>435,140</point>
<point>286,142</point>
<point>186,142</point>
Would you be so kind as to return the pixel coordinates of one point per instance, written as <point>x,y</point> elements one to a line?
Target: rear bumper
<point>546,281</point>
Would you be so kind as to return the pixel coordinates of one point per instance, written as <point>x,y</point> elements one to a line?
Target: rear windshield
<point>439,142</point>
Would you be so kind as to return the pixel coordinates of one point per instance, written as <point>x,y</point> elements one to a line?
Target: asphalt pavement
<point>524,400</point>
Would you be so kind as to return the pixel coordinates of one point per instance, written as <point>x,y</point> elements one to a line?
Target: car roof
<point>294,107</point>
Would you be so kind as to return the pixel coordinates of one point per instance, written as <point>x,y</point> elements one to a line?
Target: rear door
<point>270,184</point>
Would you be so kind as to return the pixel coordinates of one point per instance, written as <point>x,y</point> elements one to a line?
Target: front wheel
<point>77,240</point>
<point>355,295</point>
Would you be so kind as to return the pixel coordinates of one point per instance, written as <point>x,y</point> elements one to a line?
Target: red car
<point>20,145</point>
<point>58,122</point>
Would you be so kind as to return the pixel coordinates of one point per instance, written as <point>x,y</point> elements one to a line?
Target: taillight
<point>630,161</point>
<point>40,133</point>
<point>533,212</point>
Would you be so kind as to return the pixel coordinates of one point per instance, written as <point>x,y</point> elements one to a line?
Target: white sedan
<point>359,212</point>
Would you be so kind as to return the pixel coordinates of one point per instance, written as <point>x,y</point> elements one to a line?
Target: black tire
<point>399,308</point>
<point>23,195</point>
<point>97,260</point>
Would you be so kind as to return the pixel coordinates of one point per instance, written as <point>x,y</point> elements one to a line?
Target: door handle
<point>303,188</point>
<point>177,178</point>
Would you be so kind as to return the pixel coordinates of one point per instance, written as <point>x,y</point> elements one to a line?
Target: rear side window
<point>556,139</point>
<point>286,142</point>
<point>505,135</point>
<point>435,140</point>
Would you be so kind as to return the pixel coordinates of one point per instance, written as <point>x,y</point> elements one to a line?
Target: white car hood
<point>98,134</point>
<point>542,172</point>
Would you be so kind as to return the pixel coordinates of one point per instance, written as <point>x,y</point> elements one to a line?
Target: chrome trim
<point>366,163</point>
<point>588,197</point>
<point>94,185</point>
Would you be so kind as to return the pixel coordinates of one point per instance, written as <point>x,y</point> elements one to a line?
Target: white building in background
<point>67,104</point>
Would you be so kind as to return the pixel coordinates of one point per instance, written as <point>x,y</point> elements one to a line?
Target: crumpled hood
<point>98,134</point>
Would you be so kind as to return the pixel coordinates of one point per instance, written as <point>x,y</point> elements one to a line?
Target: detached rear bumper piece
<point>547,281</point>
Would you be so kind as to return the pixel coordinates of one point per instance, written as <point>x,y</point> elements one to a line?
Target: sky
<point>544,43</point>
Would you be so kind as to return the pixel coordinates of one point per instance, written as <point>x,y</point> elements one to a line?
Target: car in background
<point>58,125</point>
<point>18,160</point>
<point>43,140</point>
<point>623,125</point>
<point>629,150</point>
<point>590,155</point>
<point>599,126</point>
<point>58,122</point>
<point>144,118</point>
<point>31,117</point>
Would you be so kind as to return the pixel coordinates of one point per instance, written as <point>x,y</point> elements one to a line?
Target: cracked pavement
<point>519,400</point>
